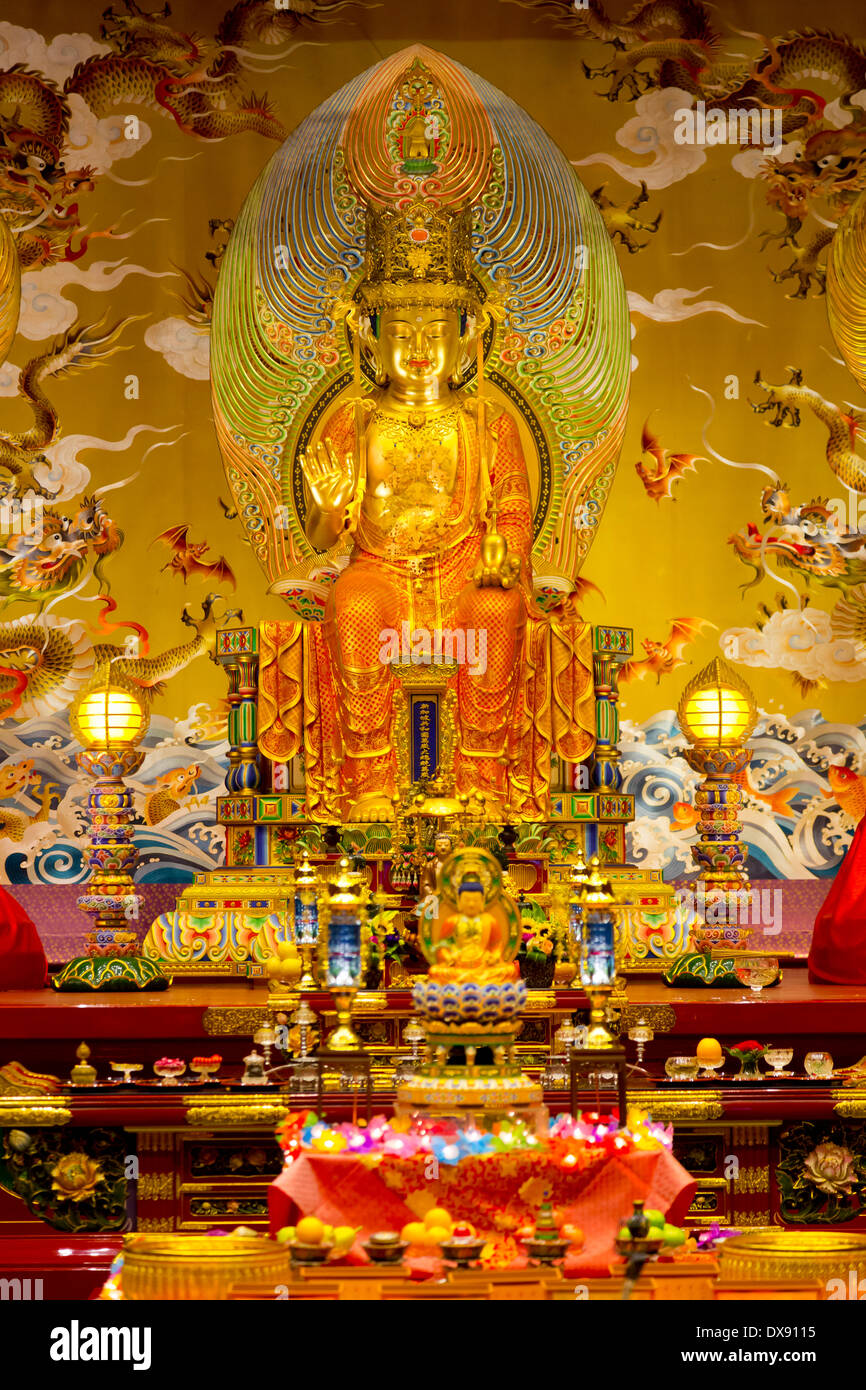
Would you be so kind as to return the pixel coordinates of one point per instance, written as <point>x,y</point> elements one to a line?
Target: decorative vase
<point>538,974</point>
<point>749,1069</point>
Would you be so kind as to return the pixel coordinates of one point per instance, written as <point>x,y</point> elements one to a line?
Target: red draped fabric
<point>498,1193</point>
<point>838,952</point>
<point>22,959</point>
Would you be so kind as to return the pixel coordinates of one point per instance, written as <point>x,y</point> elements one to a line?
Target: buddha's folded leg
<point>363,609</point>
<point>488,684</point>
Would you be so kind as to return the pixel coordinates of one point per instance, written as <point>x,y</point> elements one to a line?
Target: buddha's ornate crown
<point>420,256</point>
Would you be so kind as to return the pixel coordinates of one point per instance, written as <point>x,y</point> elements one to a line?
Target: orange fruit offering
<point>573,1234</point>
<point>436,1234</point>
<point>438,1216</point>
<point>415,1232</point>
<point>463,1230</point>
<point>310,1230</point>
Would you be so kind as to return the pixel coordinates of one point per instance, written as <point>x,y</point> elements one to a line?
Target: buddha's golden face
<point>470,902</point>
<point>419,348</point>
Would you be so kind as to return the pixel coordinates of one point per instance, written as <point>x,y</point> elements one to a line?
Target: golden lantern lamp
<point>345,918</point>
<point>717,708</point>
<point>109,718</point>
<point>306,888</point>
<point>109,721</point>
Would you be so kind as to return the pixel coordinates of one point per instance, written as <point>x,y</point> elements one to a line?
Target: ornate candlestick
<point>414,1035</point>
<point>641,1034</point>
<point>578,876</point>
<point>265,1037</point>
<point>109,723</point>
<point>306,919</point>
<point>598,953</point>
<point>345,917</point>
<point>303,1038</point>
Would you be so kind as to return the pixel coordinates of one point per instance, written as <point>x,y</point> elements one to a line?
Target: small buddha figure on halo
<point>443,846</point>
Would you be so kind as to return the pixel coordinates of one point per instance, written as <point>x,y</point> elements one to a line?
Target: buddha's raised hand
<point>331,479</point>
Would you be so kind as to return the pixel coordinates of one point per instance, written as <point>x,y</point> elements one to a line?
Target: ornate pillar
<point>719,854</point>
<point>611,646</point>
<point>237,651</point>
<point>238,654</point>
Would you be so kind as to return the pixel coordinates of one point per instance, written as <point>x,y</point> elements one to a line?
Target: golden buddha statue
<point>443,847</point>
<point>416,144</point>
<point>433,487</point>
<point>470,946</point>
<point>472,995</point>
<point>420,369</point>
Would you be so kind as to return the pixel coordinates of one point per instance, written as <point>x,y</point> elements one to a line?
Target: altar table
<point>498,1193</point>
<point>194,1145</point>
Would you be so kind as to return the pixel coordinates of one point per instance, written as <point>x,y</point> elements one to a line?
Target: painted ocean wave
<point>791,823</point>
<point>176,788</point>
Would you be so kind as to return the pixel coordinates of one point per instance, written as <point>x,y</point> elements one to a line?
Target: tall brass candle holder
<point>306,884</point>
<point>342,932</point>
<point>577,879</point>
<point>601,1053</point>
<point>598,954</point>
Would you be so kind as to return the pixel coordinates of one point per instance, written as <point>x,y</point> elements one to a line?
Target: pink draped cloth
<point>349,1190</point>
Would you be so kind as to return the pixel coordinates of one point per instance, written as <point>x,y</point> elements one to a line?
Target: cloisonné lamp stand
<point>717,714</point>
<point>109,722</point>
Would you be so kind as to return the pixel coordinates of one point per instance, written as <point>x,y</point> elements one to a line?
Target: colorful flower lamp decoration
<point>572,1142</point>
<point>717,714</point>
<point>109,722</point>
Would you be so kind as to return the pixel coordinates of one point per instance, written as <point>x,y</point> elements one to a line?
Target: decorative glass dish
<point>681,1068</point>
<point>127,1068</point>
<point>168,1069</point>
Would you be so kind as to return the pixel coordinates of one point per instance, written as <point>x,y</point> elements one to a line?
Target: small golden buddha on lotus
<point>469,942</point>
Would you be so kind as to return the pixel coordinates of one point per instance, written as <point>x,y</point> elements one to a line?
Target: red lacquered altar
<point>206,1155</point>
<point>37,1026</point>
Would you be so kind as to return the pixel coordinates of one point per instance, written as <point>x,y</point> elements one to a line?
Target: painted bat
<point>188,557</point>
<point>664,657</point>
<point>669,468</point>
